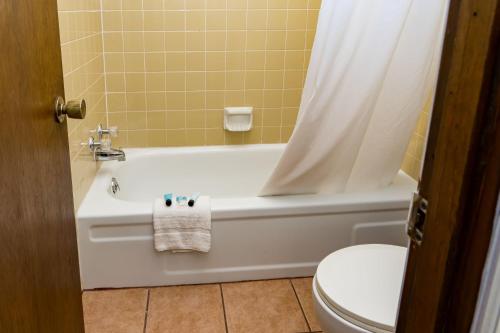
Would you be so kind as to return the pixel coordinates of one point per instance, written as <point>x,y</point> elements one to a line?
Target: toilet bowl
<point>357,289</point>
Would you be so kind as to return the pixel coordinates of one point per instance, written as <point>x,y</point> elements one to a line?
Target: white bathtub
<point>252,237</point>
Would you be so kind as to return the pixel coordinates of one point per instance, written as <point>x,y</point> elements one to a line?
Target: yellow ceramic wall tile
<point>176,81</point>
<point>136,101</point>
<point>271,134</point>
<point>234,61</point>
<point>215,80</point>
<point>214,136</point>
<point>255,60</point>
<point>291,97</point>
<point>156,101</point>
<point>215,40</point>
<point>157,138</point>
<point>154,41</point>
<point>277,4</point>
<point>155,62</point>
<point>297,20</point>
<point>234,97</point>
<point>216,20</point>
<point>236,19</point>
<point>195,100</point>
<point>293,79</point>
<point>131,4</point>
<point>118,119</point>
<point>136,120</point>
<point>257,4</point>
<point>195,4</point>
<point>236,40</point>
<point>274,79</point>
<point>257,19</point>
<point>133,20</point>
<point>175,61</point>
<point>195,41</point>
<point>155,82</point>
<point>114,62</point>
<point>296,40</point>
<point>195,61</point>
<point>138,138</point>
<point>273,98</point>
<point>175,21</point>
<point>195,119</point>
<point>286,133</point>
<point>156,120</point>
<point>216,61</point>
<point>175,4</point>
<point>256,40</point>
<point>176,137</point>
<point>215,100</point>
<point>289,116</point>
<point>276,40</point>
<point>133,41</point>
<point>176,100</point>
<point>113,41</point>
<point>216,4</point>
<point>195,137</point>
<point>233,138</point>
<point>153,21</point>
<point>116,102</point>
<point>235,80</point>
<point>112,21</point>
<point>275,60</point>
<point>214,118</point>
<point>175,41</point>
<point>195,20</point>
<point>135,82</point>
<point>152,4</point>
<point>195,81</point>
<point>134,62</point>
<point>271,117</point>
<point>253,136</point>
<point>254,79</point>
<point>294,59</point>
<point>115,82</point>
<point>277,20</point>
<point>175,119</point>
<point>107,4</point>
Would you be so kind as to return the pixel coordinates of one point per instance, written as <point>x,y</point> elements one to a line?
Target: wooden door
<point>39,275</point>
<point>461,176</point>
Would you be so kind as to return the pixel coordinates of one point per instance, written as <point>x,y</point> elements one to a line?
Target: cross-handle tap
<point>101,149</point>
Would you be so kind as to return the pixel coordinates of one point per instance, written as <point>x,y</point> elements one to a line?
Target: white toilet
<point>357,289</point>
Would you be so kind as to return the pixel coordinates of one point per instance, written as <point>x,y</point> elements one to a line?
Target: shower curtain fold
<point>373,66</point>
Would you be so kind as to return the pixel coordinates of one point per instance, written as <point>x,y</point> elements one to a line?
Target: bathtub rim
<point>98,202</point>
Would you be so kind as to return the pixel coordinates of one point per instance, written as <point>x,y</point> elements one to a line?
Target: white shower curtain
<point>373,65</point>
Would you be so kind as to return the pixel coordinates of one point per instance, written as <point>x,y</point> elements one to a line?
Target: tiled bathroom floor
<point>270,306</point>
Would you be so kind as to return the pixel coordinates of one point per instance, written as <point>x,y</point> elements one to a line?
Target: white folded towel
<point>182,228</point>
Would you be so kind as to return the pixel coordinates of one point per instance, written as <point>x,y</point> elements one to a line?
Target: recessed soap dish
<point>238,119</point>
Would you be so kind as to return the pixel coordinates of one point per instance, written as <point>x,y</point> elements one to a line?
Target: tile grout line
<point>146,313</point>
<point>300,304</point>
<point>223,307</point>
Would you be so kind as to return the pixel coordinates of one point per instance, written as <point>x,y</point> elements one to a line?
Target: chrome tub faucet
<point>101,148</point>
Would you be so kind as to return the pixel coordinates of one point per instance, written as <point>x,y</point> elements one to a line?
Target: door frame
<point>460,178</point>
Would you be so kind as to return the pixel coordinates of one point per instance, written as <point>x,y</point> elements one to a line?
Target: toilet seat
<point>362,284</point>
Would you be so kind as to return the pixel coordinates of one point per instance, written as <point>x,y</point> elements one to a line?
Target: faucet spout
<point>109,154</point>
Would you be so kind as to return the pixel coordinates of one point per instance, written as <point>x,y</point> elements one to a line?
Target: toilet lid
<point>363,282</point>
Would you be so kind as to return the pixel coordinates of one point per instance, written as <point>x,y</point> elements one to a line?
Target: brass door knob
<point>74,109</point>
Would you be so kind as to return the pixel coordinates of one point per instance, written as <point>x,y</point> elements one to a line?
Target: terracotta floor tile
<point>115,311</point>
<point>263,307</point>
<point>303,288</point>
<point>186,309</point>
